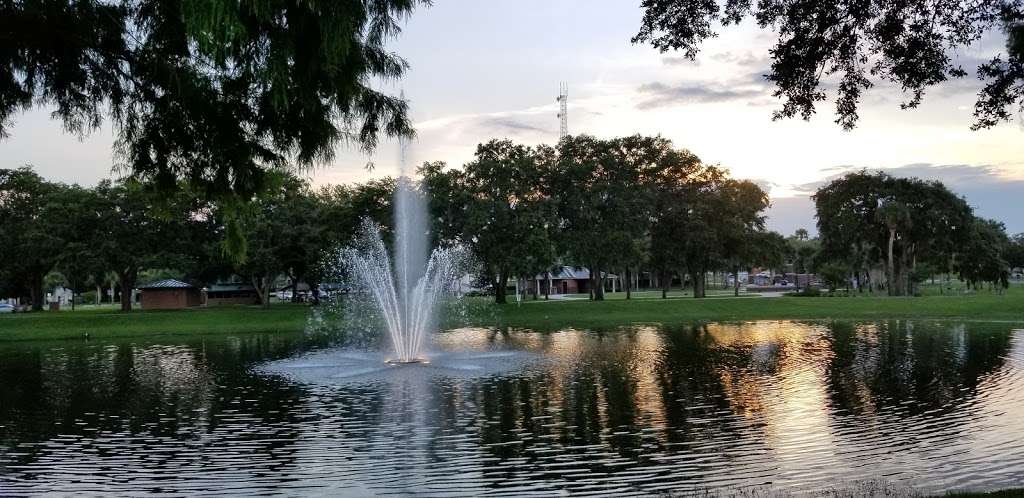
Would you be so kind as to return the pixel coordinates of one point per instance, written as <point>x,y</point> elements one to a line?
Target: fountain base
<point>410,361</point>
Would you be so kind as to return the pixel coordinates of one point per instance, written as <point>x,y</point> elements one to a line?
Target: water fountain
<point>408,290</point>
<point>396,295</point>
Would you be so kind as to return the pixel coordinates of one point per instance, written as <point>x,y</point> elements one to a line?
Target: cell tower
<point>563,109</point>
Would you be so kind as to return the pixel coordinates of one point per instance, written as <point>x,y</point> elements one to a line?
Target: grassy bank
<point>539,315</point>
<point>108,323</point>
<point>548,315</point>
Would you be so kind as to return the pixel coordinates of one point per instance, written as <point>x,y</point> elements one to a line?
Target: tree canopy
<point>850,46</point>
<point>864,218</point>
<point>215,92</point>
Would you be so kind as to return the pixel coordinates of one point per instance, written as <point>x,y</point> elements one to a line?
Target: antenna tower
<point>563,110</point>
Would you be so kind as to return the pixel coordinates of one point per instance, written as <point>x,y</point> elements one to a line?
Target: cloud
<point>766,185</point>
<point>661,95</point>
<point>743,59</point>
<point>512,125</point>
<point>679,61</point>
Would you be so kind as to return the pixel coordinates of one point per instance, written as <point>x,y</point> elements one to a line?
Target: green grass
<point>551,315</point>
<point>647,307</point>
<point>108,323</point>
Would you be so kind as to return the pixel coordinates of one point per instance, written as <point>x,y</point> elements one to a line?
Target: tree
<point>803,256</point>
<point>636,160</point>
<point>896,218</point>
<point>767,250</point>
<point>847,224</point>
<point>214,92</point>
<point>983,259</point>
<point>737,220</point>
<point>863,217</point>
<point>833,274</point>
<point>1015,251</point>
<point>140,228</point>
<point>373,200</point>
<point>306,233</point>
<point>604,200</point>
<point>852,45</point>
<point>29,245</point>
<point>273,226</point>
<point>683,238</point>
<point>75,213</point>
<point>447,200</point>
<point>801,234</point>
<point>504,216</point>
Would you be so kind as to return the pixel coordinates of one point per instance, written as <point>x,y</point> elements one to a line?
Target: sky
<point>482,70</point>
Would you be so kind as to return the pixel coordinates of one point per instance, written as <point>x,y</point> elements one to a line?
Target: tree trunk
<point>127,281</point>
<point>598,284</point>
<point>500,295</point>
<point>736,281</point>
<point>314,293</point>
<point>36,293</point>
<point>698,283</point>
<point>262,284</point>
<point>99,294</point>
<point>547,291</point>
<point>629,284</point>
<point>891,268</point>
<point>911,282</point>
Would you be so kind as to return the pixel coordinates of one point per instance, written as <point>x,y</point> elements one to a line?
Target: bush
<point>834,275</point>
<point>86,297</point>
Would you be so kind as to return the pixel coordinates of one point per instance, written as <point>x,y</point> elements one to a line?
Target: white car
<point>6,308</point>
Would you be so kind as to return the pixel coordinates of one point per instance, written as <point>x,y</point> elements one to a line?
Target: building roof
<point>169,283</point>
<point>230,287</point>
<point>570,273</point>
<point>303,287</point>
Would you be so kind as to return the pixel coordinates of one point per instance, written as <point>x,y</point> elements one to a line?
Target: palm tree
<point>801,234</point>
<point>896,217</point>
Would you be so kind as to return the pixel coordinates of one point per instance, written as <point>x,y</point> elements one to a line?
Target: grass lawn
<point>550,315</point>
<point>110,323</point>
<point>647,307</point>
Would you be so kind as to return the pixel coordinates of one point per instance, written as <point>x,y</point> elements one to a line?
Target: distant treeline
<point>621,205</point>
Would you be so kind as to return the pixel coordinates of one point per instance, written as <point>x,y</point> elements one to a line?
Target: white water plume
<point>407,294</point>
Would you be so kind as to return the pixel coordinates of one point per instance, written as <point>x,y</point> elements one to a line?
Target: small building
<point>169,294</point>
<point>231,293</point>
<point>568,280</point>
<point>288,292</point>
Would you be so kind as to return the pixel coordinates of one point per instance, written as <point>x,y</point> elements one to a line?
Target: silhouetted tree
<point>29,244</point>
<point>983,259</point>
<point>140,228</point>
<point>215,92</point>
<point>504,215</point>
<point>854,44</point>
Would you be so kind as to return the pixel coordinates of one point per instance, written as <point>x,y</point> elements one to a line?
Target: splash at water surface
<point>406,289</point>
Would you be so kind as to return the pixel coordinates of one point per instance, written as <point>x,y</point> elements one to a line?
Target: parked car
<point>6,308</point>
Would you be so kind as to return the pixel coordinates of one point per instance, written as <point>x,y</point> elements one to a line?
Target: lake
<point>789,406</point>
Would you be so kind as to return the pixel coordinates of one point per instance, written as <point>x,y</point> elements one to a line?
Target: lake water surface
<point>794,406</point>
